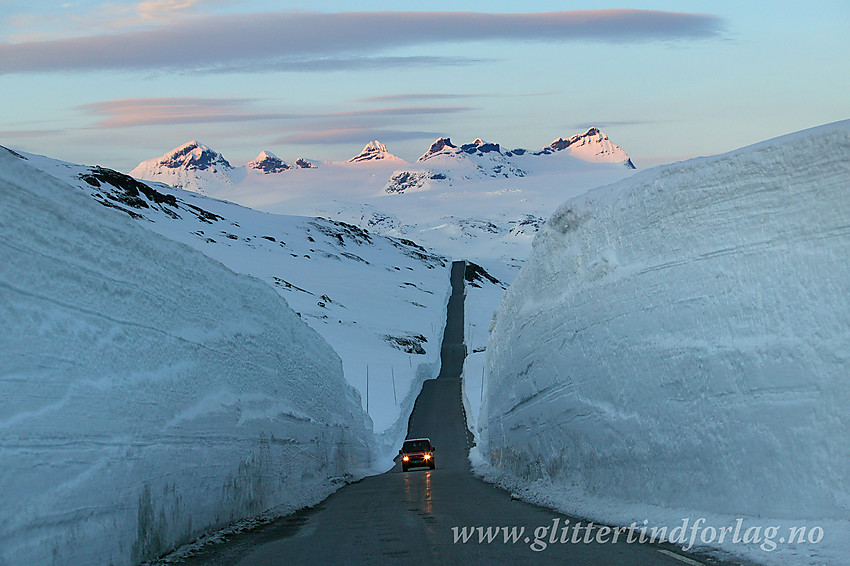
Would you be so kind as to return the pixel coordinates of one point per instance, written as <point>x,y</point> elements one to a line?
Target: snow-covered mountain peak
<point>592,145</point>
<point>265,155</point>
<point>442,145</point>
<point>193,155</point>
<point>593,135</point>
<point>375,145</point>
<point>267,162</point>
<point>374,151</point>
<point>190,166</point>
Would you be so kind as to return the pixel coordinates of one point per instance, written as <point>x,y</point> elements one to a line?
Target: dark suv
<point>417,452</point>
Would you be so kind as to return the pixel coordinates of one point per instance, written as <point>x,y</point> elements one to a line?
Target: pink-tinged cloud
<point>130,112</point>
<point>273,40</point>
<point>127,112</point>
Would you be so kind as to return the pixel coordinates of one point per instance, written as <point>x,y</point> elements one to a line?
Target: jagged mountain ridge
<point>593,145</point>
<point>480,159</point>
<point>196,167</point>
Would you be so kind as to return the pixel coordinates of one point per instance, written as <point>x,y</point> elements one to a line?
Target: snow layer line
<point>147,393</point>
<point>682,338</point>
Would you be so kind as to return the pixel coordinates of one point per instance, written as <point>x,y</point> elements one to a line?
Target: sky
<point>114,83</point>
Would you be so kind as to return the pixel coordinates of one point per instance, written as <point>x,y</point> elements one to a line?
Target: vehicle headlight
<point>405,458</point>
<point>427,456</point>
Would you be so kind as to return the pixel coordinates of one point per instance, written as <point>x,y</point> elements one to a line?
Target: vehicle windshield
<point>416,446</point>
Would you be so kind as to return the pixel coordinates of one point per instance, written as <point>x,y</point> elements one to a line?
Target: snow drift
<point>147,393</point>
<point>681,338</point>
<point>380,302</point>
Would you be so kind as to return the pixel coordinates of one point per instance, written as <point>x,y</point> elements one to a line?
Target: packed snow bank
<point>147,393</point>
<point>680,340</point>
<point>380,302</point>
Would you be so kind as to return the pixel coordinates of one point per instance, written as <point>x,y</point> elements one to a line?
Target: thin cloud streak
<point>400,111</point>
<point>328,64</point>
<point>415,96</point>
<point>134,112</point>
<point>446,96</point>
<point>226,41</point>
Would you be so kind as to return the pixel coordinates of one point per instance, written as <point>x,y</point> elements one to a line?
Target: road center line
<point>680,558</point>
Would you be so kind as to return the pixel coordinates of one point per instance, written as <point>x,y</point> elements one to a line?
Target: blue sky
<point>116,82</point>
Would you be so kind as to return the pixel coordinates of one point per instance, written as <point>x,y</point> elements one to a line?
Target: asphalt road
<point>401,517</point>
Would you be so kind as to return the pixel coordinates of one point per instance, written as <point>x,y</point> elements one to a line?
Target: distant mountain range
<point>194,166</point>
<point>593,145</point>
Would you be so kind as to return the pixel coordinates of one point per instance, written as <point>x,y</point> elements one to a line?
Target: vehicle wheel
<point>432,464</point>
<point>404,467</point>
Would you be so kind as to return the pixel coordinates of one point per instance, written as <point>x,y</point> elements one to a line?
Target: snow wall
<point>682,337</point>
<point>147,393</point>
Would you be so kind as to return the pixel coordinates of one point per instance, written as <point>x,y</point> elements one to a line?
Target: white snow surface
<point>379,301</point>
<point>485,206</point>
<point>148,393</point>
<point>677,345</point>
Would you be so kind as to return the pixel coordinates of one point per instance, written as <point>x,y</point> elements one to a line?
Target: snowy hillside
<point>379,301</point>
<point>148,393</point>
<point>267,163</point>
<point>677,346</point>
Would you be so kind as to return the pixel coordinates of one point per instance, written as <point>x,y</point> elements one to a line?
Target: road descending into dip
<point>417,516</point>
